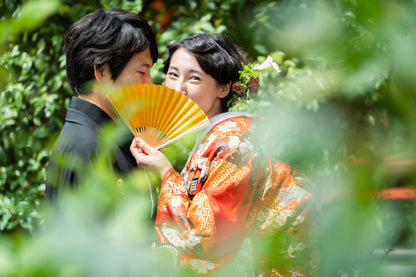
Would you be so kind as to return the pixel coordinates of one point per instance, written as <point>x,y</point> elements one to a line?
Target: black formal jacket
<point>77,145</point>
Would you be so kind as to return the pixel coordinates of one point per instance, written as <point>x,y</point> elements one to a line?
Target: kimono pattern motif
<point>227,191</point>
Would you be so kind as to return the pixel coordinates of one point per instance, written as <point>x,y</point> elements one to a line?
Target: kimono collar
<point>213,122</point>
<point>224,116</point>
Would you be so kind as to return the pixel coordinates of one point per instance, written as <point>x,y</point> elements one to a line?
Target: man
<point>104,48</point>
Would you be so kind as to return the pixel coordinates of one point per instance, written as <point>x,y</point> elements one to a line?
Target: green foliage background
<point>341,111</point>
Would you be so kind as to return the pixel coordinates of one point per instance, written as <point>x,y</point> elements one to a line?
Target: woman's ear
<point>102,73</point>
<point>225,90</point>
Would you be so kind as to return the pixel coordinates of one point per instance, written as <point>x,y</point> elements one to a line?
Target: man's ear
<point>224,90</point>
<point>102,73</point>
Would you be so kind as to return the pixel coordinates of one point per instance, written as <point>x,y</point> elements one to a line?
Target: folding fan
<point>157,114</point>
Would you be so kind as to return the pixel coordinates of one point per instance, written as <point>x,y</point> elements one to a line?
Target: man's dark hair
<point>217,55</point>
<point>105,36</point>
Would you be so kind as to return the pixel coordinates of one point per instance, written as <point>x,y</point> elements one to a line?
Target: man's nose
<point>148,79</point>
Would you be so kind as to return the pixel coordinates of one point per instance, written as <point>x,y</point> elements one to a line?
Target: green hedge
<point>35,94</point>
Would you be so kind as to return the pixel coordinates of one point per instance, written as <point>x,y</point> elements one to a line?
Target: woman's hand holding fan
<point>149,158</point>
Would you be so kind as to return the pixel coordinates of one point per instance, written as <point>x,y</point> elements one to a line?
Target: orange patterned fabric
<point>227,191</point>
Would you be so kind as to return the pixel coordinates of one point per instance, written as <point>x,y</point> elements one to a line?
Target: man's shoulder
<point>77,139</point>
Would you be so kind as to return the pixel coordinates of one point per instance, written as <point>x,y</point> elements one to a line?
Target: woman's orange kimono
<point>227,191</point>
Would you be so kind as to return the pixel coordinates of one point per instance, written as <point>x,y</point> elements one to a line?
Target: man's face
<point>137,70</point>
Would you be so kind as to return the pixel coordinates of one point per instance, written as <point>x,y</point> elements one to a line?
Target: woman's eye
<point>195,78</point>
<point>172,74</point>
<point>141,72</point>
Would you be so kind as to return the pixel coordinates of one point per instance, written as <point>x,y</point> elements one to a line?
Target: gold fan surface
<point>156,113</point>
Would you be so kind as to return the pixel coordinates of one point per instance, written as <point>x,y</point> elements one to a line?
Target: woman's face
<point>186,76</point>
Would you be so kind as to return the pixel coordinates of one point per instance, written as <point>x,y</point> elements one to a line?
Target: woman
<point>227,189</point>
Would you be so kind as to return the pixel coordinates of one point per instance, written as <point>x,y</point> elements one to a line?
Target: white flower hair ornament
<point>250,77</point>
<point>268,64</point>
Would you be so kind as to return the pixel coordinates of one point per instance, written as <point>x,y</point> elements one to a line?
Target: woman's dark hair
<point>217,55</point>
<point>105,36</point>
